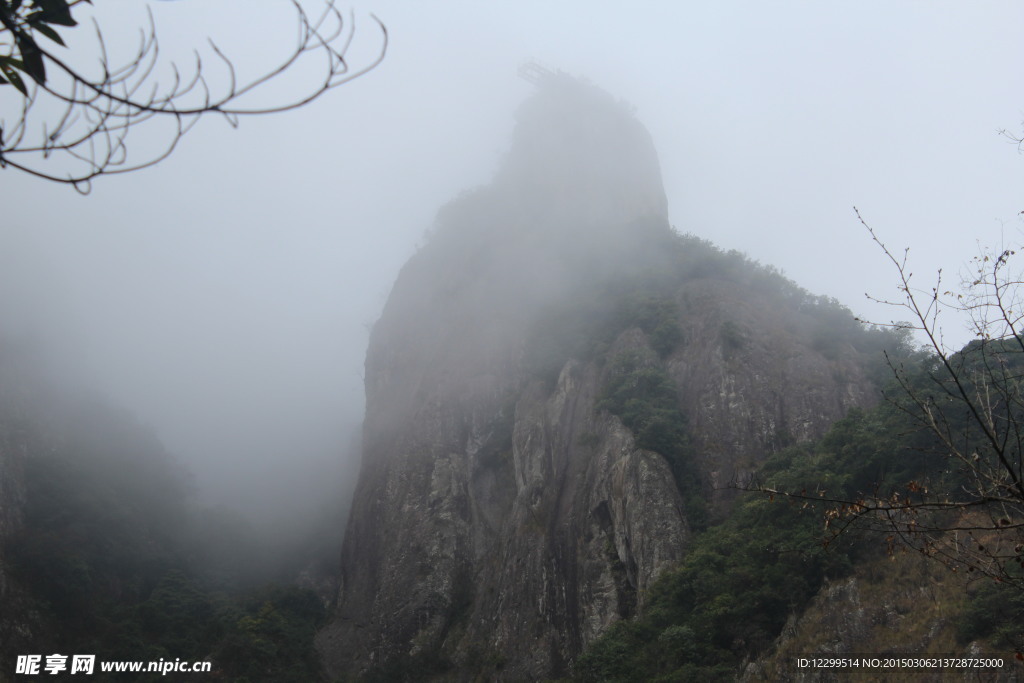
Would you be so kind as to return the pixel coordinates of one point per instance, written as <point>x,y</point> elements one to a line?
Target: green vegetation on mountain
<point>730,597</point>
<point>645,291</point>
<point>728,601</point>
<point>641,392</point>
<point>113,559</point>
<point>110,561</point>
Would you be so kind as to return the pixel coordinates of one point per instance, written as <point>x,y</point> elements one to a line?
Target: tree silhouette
<point>70,124</point>
<point>962,412</point>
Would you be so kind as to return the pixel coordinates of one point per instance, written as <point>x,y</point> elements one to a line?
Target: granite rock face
<point>505,516</point>
<point>892,606</point>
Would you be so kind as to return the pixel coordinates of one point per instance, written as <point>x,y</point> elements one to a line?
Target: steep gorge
<point>559,390</point>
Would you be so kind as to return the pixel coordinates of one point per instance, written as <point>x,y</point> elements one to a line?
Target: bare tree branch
<point>96,113</point>
<point>970,405</point>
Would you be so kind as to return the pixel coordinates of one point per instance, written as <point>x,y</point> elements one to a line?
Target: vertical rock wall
<point>504,517</point>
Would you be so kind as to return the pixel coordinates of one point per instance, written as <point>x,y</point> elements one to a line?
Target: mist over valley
<point>457,373</point>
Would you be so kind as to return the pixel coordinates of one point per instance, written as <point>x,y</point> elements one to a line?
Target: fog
<point>226,294</point>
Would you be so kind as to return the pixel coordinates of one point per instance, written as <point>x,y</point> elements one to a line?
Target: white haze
<point>225,295</point>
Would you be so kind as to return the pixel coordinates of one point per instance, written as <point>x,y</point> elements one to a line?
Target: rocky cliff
<point>898,606</point>
<point>558,390</point>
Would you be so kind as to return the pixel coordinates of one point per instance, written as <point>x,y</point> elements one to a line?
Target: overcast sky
<point>225,295</point>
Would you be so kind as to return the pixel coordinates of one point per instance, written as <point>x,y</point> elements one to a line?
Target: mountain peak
<point>582,152</point>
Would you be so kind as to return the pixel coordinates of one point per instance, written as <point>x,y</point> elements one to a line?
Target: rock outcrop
<point>900,606</point>
<point>508,509</point>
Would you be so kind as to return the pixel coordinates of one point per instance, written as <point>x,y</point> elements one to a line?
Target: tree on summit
<point>68,123</point>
